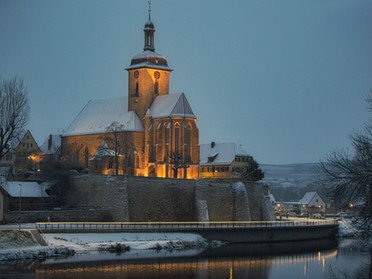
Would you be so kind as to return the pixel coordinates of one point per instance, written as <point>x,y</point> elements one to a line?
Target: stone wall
<point>58,216</point>
<point>219,199</point>
<point>156,199</point>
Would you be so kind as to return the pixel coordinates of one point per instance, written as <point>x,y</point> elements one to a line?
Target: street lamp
<point>20,206</point>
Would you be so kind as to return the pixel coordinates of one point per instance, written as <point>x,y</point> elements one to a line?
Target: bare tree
<point>176,160</point>
<point>350,174</point>
<point>115,138</point>
<point>14,113</point>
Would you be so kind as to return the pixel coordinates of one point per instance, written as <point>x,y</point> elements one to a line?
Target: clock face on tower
<point>157,75</point>
<point>136,74</point>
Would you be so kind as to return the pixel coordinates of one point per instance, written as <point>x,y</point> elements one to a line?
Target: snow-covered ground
<point>21,245</point>
<point>137,241</point>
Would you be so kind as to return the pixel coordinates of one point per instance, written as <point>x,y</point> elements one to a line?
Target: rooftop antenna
<point>149,2</point>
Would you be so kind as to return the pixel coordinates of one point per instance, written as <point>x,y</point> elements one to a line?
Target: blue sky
<point>285,79</point>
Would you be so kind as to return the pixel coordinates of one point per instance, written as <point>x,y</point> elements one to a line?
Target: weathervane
<point>149,2</point>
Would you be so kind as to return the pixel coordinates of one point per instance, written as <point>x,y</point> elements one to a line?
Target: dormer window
<point>212,157</point>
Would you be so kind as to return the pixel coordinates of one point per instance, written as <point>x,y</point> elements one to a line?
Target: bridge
<point>231,231</point>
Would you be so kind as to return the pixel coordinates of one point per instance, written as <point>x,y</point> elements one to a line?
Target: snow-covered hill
<point>297,175</point>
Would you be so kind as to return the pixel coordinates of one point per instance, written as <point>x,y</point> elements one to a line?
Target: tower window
<point>137,89</point>
<point>156,88</point>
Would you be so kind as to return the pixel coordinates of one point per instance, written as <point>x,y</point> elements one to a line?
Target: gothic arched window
<point>187,142</point>
<point>177,137</point>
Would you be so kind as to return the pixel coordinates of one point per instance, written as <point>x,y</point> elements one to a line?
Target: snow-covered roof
<point>149,59</point>
<point>97,115</point>
<point>24,189</point>
<point>103,151</point>
<point>220,153</point>
<point>272,198</point>
<point>51,144</point>
<point>171,105</point>
<point>306,199</point>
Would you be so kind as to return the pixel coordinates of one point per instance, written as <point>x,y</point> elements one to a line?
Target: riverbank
<point>22,245</point>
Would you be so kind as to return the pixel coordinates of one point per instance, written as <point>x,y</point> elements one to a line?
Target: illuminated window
<point>177,137</point>
<point>187,142</point>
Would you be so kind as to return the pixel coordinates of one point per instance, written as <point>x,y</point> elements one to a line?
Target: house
<point>9,158</point>
<point>312,203</point>
<point>222,160</point>
<point>28,154</point>
<point>151,132</point>
<point>23,195</point>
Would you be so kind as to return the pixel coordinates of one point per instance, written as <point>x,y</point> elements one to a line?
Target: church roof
<point>171,105</point>
<point>220,153</point>
<point>51,144</point>
<point>103,151</point>
<point>97,115</point>
<point>149,59</point>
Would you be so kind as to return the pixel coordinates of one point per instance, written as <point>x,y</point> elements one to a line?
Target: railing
<point>154,226</point>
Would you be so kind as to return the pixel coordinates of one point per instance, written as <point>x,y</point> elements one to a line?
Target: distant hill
<point>292,175</point>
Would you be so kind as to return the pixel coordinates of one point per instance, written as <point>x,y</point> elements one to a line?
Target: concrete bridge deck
<point>234,231</point>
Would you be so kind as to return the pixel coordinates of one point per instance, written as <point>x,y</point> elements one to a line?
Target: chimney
<point>50,142</point>
<point>213,144</point>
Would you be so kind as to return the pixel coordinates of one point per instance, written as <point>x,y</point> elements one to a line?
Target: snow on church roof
<point>97,115</point>
<point>220,153</point>
<point>51,144</point>
<point>171,105</point>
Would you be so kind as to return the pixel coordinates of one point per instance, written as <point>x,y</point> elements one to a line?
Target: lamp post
<point>20,206</point>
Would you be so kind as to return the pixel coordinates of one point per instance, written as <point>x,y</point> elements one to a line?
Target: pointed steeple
<point>149,32</point>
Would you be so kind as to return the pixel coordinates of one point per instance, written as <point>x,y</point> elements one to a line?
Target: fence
<point>154,226</point>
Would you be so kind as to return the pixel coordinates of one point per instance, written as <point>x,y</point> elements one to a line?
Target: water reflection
<point>253,261</point>
<point>235,261</point>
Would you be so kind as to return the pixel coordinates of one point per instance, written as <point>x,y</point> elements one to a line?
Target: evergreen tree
<point>252,172</point>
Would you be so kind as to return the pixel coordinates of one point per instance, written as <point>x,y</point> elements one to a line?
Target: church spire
<point>149,32</point>
<point>149,2</point>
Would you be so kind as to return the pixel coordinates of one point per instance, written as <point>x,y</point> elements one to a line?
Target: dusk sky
<point>285,79</point>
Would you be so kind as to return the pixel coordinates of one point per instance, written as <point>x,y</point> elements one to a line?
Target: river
<point>295,260</point>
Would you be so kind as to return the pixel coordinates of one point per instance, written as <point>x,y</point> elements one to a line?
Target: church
<point>148,133</point>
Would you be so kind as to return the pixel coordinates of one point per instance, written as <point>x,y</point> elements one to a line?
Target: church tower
<point>148,75</point>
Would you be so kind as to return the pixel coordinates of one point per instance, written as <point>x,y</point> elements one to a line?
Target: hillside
<point>292,175</point>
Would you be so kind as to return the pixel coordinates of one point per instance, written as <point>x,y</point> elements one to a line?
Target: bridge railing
<point>153,226</point>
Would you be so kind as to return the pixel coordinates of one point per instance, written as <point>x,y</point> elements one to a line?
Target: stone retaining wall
<point>156,199</point>
<point>58,216</point>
